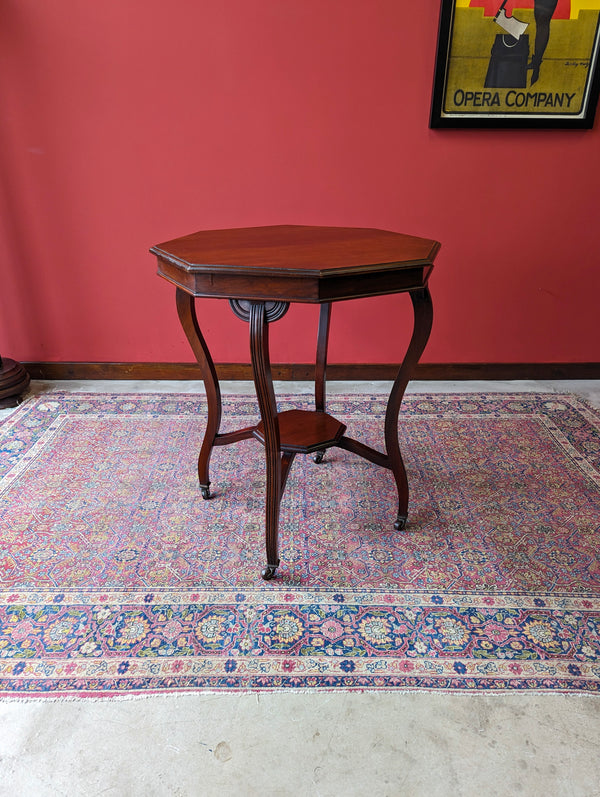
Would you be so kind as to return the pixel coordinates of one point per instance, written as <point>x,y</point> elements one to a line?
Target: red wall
<point>127,123</point>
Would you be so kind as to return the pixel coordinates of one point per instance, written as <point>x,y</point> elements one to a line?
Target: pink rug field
<point>116,578</point>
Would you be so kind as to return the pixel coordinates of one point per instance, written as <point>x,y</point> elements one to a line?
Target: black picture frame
<point>477,60</point>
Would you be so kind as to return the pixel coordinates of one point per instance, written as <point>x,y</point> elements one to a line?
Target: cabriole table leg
<point>186,311</point>
<point>423,319</point>
<point>321,365</point>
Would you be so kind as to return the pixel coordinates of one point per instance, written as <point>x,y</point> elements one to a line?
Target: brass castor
<point>205,491</point>
<point>269,572</point>
<point>400,523</point>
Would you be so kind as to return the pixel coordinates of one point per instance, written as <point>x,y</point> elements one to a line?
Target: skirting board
<point>305,372</point>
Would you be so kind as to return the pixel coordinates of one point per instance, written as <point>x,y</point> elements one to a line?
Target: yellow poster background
<point>561,86</point>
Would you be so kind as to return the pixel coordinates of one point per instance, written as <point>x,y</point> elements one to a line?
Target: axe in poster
<point>511,25</point>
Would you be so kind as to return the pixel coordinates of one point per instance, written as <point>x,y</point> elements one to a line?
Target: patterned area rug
<point>117,578</point>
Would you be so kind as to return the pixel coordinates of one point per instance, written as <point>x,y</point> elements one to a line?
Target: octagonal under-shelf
<point>304,431</point>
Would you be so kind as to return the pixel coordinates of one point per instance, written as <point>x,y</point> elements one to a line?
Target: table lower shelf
<point>304,431</point>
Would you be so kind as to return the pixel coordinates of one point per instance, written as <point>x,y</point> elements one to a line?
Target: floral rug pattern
<point>117,578</point>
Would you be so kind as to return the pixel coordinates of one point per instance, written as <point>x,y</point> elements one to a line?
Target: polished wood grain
<point>303,432</point>
<point>289,249</point>
<point>187,316</point>
<point>321,366</point>
<point>259,353</point>
<point>423,320</point>
<point>295,263</point>
<point>321,358</point>
<point>260,270</point>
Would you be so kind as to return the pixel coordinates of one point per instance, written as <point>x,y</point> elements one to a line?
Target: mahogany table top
<point>296,263</point>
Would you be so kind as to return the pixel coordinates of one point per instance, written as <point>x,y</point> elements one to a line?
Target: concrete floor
<point>296,744</point>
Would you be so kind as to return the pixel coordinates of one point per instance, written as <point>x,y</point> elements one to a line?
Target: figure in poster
<point>542,13</point>
<point>508,61</point>
<point>507,68</point>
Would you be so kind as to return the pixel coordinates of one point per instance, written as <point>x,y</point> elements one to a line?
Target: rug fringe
<point>297,691</point>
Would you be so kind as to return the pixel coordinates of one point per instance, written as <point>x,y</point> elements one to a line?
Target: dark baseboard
<point>305,372</point>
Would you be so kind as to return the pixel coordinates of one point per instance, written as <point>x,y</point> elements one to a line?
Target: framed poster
<point>517,63</point>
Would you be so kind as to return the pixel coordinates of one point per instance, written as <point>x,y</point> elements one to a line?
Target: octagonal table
<point>260,270</point>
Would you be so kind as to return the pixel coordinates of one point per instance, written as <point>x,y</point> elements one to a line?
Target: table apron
<point>307,289</point>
